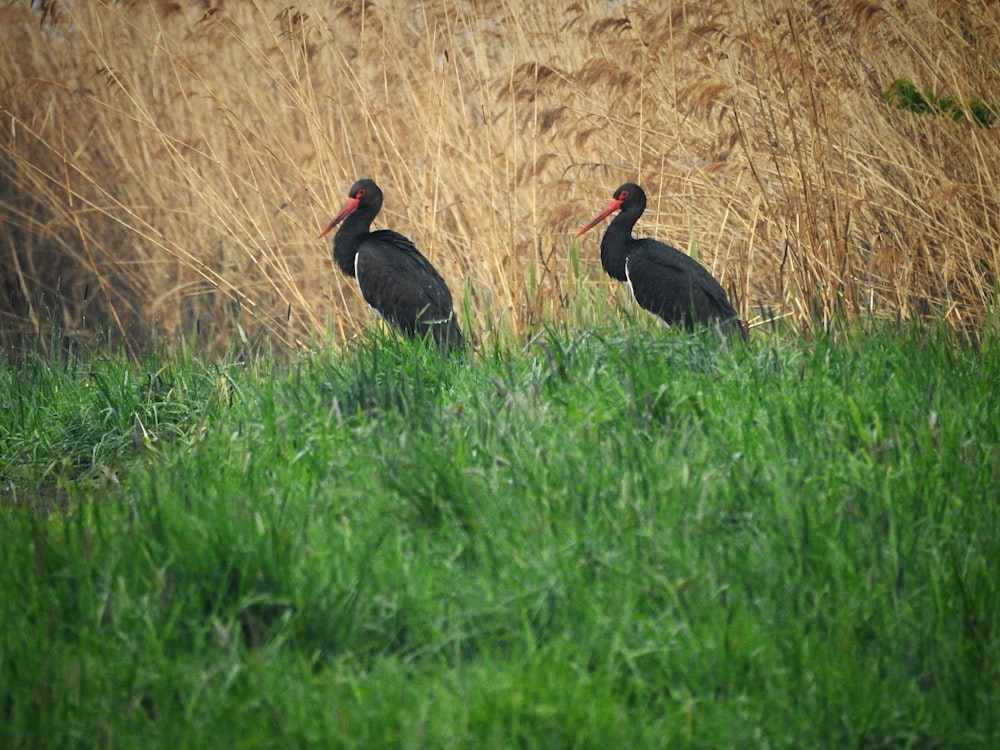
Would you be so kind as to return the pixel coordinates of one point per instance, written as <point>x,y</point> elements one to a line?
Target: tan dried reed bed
<point>166,166</point>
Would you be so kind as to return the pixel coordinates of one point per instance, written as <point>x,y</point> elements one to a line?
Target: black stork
<point>663,280</point>
<point>393,275</point>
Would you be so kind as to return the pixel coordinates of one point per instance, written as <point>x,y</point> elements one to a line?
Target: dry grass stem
<point>166,166</point>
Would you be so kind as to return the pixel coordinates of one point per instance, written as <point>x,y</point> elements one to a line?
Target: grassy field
<point>607,537</point>
<point>235,513</point>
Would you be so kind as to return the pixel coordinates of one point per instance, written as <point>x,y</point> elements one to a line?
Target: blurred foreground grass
<point>604,538</point>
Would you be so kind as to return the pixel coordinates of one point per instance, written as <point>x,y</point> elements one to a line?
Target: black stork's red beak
<point>609,208</point>
<point>347,210</point>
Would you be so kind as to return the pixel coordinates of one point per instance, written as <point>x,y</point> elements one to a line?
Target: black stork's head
<point>631,201</point>
<point>364,197</point>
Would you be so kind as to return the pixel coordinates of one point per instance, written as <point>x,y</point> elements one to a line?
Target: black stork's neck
<point>618,238</point>
<point>349,237</point>
<point>367,202</point>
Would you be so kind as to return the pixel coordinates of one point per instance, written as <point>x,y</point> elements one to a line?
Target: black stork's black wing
<point>403,286</point>
<point>675,286</point>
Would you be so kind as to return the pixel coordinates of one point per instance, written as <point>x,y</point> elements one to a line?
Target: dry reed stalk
<point>165,169</point>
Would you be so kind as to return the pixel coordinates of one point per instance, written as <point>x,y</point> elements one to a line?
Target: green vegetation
<point>606,537</point>
<point>904,94</point>
<point>603,538</point>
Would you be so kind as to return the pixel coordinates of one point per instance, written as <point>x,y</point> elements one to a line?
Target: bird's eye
<point>359,193</point>
<point>623,195</point>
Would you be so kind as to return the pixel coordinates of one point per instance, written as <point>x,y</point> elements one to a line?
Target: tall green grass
<point>599,538</point>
